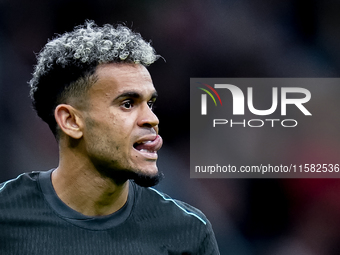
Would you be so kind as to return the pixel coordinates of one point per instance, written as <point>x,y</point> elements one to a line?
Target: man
<point>92,88</point>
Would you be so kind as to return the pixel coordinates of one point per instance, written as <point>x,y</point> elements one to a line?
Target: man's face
<point>121,130</point>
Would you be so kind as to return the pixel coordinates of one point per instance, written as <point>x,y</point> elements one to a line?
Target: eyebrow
<point>132,94</point>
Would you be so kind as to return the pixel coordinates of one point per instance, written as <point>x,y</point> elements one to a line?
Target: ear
<point>69,121</point>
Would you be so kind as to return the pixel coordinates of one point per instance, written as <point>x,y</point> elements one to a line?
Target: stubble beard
<point>115,173</point>
<point>145,180</point>
<point>121,176</point>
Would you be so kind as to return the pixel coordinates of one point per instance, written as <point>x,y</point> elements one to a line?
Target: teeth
<point>146,142</point>
<point>144,150</point>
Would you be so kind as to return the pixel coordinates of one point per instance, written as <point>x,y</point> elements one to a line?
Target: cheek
<point>122,129</point>
<point>123,123</point>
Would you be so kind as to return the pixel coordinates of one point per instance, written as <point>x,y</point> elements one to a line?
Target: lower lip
<point>152,155</point>
<point>148,155</point>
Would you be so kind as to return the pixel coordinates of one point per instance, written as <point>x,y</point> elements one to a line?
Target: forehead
<point>118,78</point>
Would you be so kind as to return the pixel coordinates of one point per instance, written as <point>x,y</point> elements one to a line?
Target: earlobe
<point>68,120</point>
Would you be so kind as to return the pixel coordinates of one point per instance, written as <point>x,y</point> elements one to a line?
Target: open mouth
<point>149,146</point>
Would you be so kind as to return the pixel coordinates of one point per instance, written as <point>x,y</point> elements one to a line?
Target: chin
<point>147,180</point>
<point>142,177</point>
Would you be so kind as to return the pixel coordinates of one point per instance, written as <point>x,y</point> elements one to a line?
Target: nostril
<point>147,125</point>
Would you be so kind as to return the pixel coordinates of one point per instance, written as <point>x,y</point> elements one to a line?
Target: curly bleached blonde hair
<point>67,63</point>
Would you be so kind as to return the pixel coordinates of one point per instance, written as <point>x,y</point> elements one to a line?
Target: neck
<point>86,191</point>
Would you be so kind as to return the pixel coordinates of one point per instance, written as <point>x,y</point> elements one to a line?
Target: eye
<point>127,104</point>
<point>151,104</point>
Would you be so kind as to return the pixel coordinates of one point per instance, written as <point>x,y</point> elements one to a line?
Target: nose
<point>147,117</point>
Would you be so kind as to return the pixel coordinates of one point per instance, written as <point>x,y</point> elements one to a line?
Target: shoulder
<point>180,207</point>
<point>23,181</point>
<point>177,218</point>
<point>153,199</point>
<point>19,189</point>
